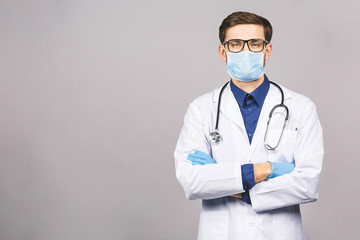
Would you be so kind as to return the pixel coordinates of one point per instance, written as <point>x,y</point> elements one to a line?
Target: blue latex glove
<point>279,169</point>
<point>200,158</point>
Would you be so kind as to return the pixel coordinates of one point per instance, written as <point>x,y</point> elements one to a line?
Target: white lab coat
<point>274,213</point>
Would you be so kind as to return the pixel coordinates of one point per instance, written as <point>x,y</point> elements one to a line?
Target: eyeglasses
<point>237,45</point>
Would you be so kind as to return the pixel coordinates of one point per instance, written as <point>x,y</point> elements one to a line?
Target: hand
<point>279,169</point>
<point>200,158</point>
<point>245,196</point>
<point>261,171</point>
<point>239,195</point>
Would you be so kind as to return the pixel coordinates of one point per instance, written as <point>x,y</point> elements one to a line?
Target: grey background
<point>92,99</point>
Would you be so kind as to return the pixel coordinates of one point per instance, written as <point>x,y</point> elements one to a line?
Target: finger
<point>205,156</point>
<point>197,155</point>
<point>194,156</point>
<point>200,160</point>
<point>200,153</point>
<point>196,163</point>
<point>237,195</point>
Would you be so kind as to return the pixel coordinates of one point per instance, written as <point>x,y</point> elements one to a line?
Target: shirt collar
<point>258,94</point>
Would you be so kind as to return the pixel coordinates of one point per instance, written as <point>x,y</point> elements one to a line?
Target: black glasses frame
<point>226,44</point>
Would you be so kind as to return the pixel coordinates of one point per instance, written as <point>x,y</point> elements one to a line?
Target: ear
<point>222,52</point>
<point>268,52</point>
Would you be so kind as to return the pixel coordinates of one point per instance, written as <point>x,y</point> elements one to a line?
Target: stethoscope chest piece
<point>215,137</point>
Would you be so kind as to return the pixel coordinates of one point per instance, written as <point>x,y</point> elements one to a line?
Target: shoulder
<point>301,107</point>
<point>204,105</point>
<point>297,99</point>
<point>206,99</point>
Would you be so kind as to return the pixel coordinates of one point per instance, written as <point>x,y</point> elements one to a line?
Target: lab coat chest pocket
<point>285,150</point>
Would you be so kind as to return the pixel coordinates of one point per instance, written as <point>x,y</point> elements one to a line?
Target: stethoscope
<point>215,136</point>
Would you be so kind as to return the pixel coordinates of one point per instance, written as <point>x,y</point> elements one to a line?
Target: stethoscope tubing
<point>218,107</point>
<point>215,136</point>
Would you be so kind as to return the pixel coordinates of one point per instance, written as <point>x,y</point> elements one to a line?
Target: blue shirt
<point>250,105</point>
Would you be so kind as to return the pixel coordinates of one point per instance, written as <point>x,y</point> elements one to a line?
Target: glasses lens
<point>235,45</point>
<point>256,45</point>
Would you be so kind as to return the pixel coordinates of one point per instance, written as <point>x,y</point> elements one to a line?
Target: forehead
<point>245,32</point>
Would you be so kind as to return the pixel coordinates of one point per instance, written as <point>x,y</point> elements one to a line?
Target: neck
<point>249,87</point>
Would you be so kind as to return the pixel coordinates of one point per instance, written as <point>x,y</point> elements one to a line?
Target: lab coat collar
<point>272,91</point>
<point>258,94</point>
<point>230,108</point>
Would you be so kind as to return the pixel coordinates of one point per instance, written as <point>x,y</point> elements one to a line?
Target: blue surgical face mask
<point>245,66</point>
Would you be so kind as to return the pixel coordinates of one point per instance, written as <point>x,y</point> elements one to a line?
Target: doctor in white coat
<point>264,204</point>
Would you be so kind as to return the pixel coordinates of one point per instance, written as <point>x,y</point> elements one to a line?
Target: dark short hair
<point>244,18</point>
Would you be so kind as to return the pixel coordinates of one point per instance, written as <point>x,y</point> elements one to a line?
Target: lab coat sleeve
<point>203,181</point>
<point>301,185</point>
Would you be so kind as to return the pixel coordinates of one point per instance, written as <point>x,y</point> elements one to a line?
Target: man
<point>250,174</point>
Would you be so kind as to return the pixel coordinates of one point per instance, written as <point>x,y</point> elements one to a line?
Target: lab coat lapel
<point>230,108</point>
